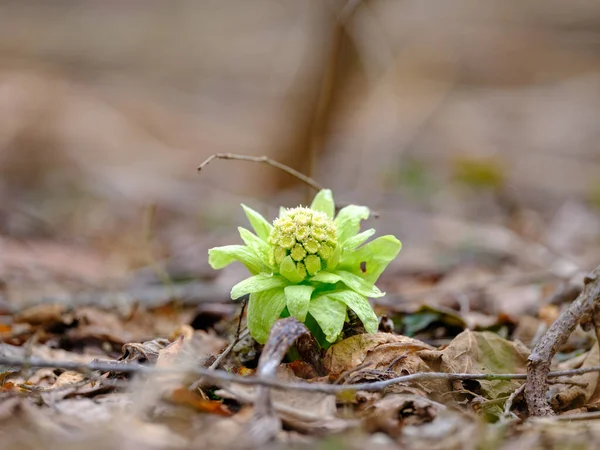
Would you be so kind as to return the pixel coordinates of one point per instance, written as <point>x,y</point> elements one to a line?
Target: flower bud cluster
<point>308,236</point>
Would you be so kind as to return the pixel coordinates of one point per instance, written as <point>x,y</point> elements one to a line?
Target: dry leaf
<point>569,397</point>
<point>484,352</point>
<point>185,397</point>
<point>167,356</point>
<point>103,326</point>
<point>44,314</point>
<point>391,413</point>
<point>300,410</point>
<point>369,357</point>
<point>377,350</point>
<point>67,383</point>
<point>143,352</point>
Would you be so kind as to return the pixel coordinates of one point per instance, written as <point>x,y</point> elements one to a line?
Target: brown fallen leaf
<point>379,349</point>
<point>368,357</point>
<point>67,378</point>
<point>44,377</point>
<point>484,352</point>
<point>44,314</point>
<point>450,429</point>
<point>303,370</point>
<point>96,325</point>
<point>143,352</point>
<point>185,397</point>
<point>391,413</point>
<point>67,383</point>
<point>300,410</point>
<point>184,330</point>
<point>575,396</point>
<point>7,387</point>
<point>167,356</point>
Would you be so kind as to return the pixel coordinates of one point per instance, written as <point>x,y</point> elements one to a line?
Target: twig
<point>510,401</point>
<point>558,333</point>
<point>224,353</point>
<point>265,424</point>
<point>581,416</point>
<point>582,384</point>
<point>236,339</point>
<point>266,160</point>
<point>396,360</point>
<point>222,376</point>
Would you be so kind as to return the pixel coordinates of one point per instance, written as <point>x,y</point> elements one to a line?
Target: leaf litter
<point>466,317</point>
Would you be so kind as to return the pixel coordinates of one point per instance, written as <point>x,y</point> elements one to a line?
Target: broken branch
<point>540,358</point>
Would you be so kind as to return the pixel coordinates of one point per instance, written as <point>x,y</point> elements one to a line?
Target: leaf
<point>352,243</point>
<point>260,225</point>
<point>143,351</point>
<point>44,314</point>
<point>376,351</point>
<point>299,410</point>
<point>399,410</point>
<point>257,283</point>
<point>587,393</point>
<point>185,397</point>
<point>348,221</point>
<point>486,352</point>
<point>359,285</point>
<point>167,357</point>
<point>330,314</point>
<point>323,202</point>
<point>260,247</point>
<point>360,305</point>
<point>413,323</point>
<point>326,277</point>
<point>419,319</point>
<point>220,257</point>
<point>288,269</point>
<point>370,260</point>
<point>334,260</point>
<point>264,308</point>
<point>298,299</point>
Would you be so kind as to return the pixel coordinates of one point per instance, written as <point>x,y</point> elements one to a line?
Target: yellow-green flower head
<point>306,236</point>
<point>309,263</point>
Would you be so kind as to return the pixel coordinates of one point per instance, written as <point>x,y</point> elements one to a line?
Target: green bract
<point>311,265</point>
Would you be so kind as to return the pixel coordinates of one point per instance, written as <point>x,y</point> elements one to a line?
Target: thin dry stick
<point>265,160</point>
<point>558,333</point>
<point>265,424</point>
<point>222,376</point>
<point>236,339</point>
<point>581,416</point>
<point>510,401</point>
<point>224,353</point>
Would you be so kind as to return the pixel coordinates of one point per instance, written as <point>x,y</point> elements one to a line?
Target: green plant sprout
<point>310,264</point>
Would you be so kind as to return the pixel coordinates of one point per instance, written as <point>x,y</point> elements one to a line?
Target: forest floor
<point>95,354</point>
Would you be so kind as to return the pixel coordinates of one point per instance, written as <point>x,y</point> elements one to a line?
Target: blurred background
<point>471,128</point>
